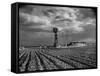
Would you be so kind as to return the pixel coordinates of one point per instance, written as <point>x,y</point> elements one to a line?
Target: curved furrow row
<point>82,61</point>
<point>26,63</point>
<point>24,60</point>
<point>74,63</point>
<point>86,57</point>
<point>40,59</point>
<point>58,62</point>
<point>22,54</point>
<point>39,62</point>
<point>33,63</point>
<point>25,52</point>
<point>21,51</point>
<point>48,63</point>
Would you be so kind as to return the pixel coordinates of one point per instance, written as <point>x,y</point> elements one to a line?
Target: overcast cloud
<point>36,23</point>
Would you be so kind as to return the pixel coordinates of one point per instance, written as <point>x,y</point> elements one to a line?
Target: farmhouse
<point>77,44</point>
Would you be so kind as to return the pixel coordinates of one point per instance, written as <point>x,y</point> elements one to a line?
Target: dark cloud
<point>36,23</point>
<point>87,13</point>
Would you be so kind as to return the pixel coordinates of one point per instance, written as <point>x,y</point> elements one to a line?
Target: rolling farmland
<point>33,59</point>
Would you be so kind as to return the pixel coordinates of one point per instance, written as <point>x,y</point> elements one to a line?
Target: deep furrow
<point>33,62</point>
<point>82,62</point>
<point>39,59</point>
<point>21,51</point>
<point>54,62</point>
<point>23,66</point>
<point>36,63</point>
<point>76,64</point>
<point>22,59</point>
<point>48,63</point>
<point>39,63</point>
<point>28,61</point>
<point>70,62</point>
<point>22,54</point>
<point>58,62</point>
<point>83,57</point>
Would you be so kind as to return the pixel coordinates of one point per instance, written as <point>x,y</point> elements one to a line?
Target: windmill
<point>55,31</point>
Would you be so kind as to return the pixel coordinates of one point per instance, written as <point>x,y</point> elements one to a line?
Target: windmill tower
<point>55,30</point>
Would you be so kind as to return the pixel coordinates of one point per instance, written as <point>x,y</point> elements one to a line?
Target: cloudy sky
<point>74,24</point>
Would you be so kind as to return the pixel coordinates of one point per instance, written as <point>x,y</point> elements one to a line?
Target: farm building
<point>77,44</point>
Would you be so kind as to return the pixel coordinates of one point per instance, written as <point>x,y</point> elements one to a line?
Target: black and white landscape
<point>56,38</point>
